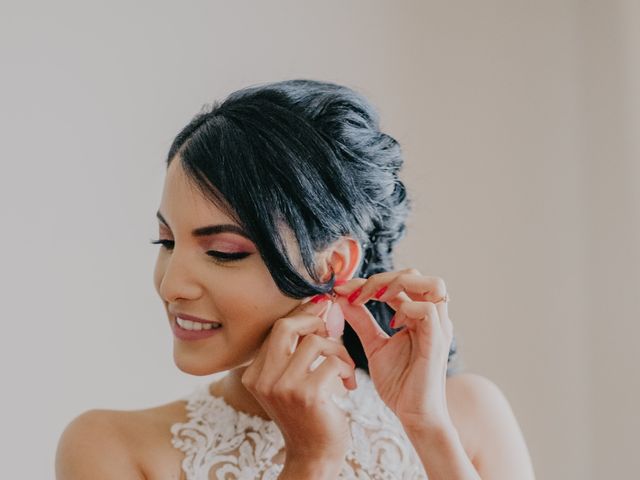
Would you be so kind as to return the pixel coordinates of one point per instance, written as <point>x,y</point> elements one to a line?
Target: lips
<point>193,318</point>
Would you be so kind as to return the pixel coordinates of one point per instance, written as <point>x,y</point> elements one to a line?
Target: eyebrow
<point>211,229</point>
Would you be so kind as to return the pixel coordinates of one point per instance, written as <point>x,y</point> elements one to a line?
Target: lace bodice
<point>242,446</point>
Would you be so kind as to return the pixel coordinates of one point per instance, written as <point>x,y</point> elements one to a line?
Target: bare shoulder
<point>93,446</point>
<point>120,444</point>
<point>488,427</point>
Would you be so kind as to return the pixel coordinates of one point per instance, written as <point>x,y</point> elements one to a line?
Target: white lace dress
<point>217,438</point>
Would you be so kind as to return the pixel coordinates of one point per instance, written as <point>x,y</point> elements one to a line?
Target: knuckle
<point>283,389</point>
<point>440,284</point>
<point>246,379</point>
<point>283,324</point>
<point>376,280</point>
<point>402,278</point>
<point>263,389</point>
<point>312,340</point>
<point>334,351</point>
<point>431,308</point>
<point>377,276</point>
<point>293,395</point>
<point>308,397</point>
<point>411,308</point>
<point>412,271</point>
<point>333,361</point>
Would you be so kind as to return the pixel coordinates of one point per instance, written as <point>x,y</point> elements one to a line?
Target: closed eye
<point>222,256</point>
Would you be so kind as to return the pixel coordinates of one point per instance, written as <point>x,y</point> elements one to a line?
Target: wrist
<point>437,429</point>
<point>441,451</point>
<point>435,439</point>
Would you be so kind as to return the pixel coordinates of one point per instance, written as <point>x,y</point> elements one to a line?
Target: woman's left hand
<point>408,368</point>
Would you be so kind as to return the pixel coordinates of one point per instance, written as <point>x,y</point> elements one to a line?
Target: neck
<point>235,394</point>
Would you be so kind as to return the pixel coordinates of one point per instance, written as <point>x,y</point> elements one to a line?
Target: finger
<point>445,321</point>
<point>307,309</point>
<point>385,285</point>
<point>411,313</point>
<point>253,371</point>
<point>323,378</point>
<point>349,286</point>
<point>422,322</point>
<point>282,344</point>
<point>310,308</point>
<point>431,323</point>
<point>364,325</point>
<point>398,300</point>
<point>359,284</point>
<point>358,292</point>
<point>440,311</point>
<point>394,302</point>
<point>418,287</point>
<point>424,315</point>
<point>308,351</point>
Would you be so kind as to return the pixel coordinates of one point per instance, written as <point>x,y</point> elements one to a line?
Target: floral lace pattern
<point>242,446</point>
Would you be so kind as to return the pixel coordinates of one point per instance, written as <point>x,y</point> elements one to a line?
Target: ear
<point>342,257</point>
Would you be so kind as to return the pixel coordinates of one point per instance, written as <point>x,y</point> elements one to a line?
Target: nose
<point>178,280</point>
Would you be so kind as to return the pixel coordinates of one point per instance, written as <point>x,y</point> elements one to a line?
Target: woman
<point>280,211</point>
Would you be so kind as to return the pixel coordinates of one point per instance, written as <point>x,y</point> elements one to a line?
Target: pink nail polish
<point>380,292</point>
<point>319,298</point>
<point>354,295</point>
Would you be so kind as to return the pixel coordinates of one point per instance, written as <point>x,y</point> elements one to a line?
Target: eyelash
<point>220,256</point>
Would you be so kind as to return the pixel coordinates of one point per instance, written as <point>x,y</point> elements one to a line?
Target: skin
<point>473,432</point>
<point>240,294</point>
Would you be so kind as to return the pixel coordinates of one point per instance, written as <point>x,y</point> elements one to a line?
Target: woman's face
<point>240,294</point>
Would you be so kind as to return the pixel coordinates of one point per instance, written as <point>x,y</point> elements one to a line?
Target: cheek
<point>253,301</point>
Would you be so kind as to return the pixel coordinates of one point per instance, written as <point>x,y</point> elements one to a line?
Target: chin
<point>194,364</point>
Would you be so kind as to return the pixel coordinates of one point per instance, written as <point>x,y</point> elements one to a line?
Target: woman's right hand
<point>299,400</point>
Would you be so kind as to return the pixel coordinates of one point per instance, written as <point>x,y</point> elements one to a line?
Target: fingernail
<point>315,308</point>
<point>380,292</point>
<point>335,321</point>
<point>319,298</point>
<point>354,295</point>
<point>338,282</point>
<point>393,322</point>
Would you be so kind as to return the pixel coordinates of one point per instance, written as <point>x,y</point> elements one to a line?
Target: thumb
<point>312,307</point>
<point>364,324</point>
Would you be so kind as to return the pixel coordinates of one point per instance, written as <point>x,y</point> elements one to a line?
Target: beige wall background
<point>519,122</point>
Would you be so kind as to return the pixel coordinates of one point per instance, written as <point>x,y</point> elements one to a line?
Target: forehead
<point>184,205</point>
<point>182,199</point>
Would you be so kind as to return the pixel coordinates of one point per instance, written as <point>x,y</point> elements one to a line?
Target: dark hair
<point>310,156</point>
